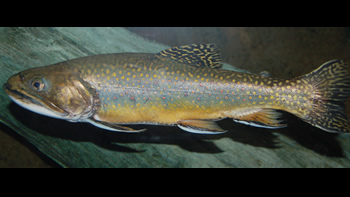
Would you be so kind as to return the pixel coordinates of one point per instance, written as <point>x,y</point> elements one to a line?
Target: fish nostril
<point>21,76</point>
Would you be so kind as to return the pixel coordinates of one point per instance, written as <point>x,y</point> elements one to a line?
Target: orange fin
<point>265,118</point>
<point>200,126</point>
<point>112,126</point>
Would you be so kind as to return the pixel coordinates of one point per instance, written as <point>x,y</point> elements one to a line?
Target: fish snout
<point>7,86</point>
<point>12,82</point>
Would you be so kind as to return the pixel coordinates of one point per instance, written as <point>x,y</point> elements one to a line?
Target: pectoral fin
<point>200,126</point>
<point>112,127</point>
<point>265,118</point>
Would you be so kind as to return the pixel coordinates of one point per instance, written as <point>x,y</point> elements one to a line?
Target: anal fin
<point>264,118</point>
<point>112,126</point>
<point>200,126</point>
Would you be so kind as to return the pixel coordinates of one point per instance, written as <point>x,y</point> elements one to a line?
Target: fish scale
<point>155,87</point>
<point>181,86</point>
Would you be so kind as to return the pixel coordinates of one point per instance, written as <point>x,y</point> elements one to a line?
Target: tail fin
<point>331,88</point>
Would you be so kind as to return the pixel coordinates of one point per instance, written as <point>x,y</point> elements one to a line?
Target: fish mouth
<point>34,104</point>
<point>18,95</point>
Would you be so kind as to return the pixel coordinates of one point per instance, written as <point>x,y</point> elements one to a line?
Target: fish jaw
<point>36,106</point>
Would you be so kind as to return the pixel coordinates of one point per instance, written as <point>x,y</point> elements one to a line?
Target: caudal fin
<point>331,88</point>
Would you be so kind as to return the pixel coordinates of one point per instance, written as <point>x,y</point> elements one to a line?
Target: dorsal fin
<point>198,55</point>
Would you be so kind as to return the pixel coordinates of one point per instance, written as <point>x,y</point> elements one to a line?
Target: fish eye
<point>37,84</point>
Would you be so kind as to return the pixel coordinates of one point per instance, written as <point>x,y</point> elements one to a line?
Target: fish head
<point>54,91</point>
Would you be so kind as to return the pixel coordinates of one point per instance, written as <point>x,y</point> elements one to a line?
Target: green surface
<point>83,145</point>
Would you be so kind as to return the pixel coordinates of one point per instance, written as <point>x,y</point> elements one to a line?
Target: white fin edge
<point>102,126</point>
<point>258,125</point>
<point>192,130</point>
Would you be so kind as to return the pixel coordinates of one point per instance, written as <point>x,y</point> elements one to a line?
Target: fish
<point>182,86</point>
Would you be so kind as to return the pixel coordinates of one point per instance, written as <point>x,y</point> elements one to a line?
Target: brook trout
<point>181,86</point>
